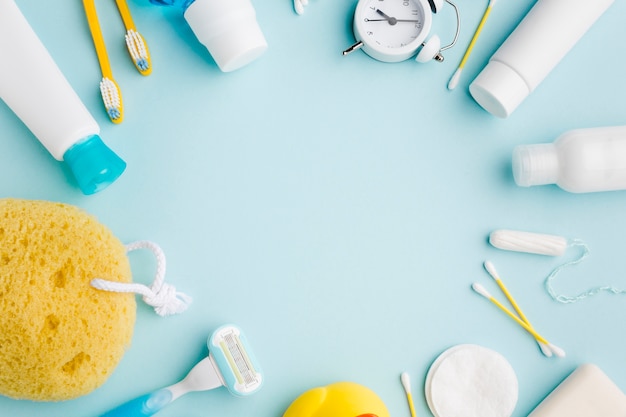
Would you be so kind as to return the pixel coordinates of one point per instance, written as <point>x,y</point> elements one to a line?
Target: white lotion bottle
<point>579,161</point>
<point>34,87</point>
<point>541,40</point>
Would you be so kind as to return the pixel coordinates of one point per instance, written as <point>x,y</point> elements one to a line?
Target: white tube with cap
<point>34,87</point>
<point>547,33</point>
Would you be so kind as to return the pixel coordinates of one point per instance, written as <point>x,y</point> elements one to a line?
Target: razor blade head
<point>233,356</point>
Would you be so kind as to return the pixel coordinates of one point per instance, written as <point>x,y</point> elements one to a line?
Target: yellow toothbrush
<point>136,44</point>
<point>111,94</point>
<point>457,74</point>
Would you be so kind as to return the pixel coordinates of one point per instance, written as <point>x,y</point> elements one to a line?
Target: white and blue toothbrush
<point>230,363</point>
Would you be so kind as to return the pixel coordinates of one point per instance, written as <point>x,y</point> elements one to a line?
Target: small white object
<point>537,243</point>
<point>454,81</point>
<point>429,50</point>
<point>481,290</point>
<point>585,392</point>
<point>559,352</point>
<point>491,269</point>
<point>579,161</point>
<point>406,382</point>
<point>299,5</point>
<point>531,52</point>
<point>471,381</point>
<point>229,30</point>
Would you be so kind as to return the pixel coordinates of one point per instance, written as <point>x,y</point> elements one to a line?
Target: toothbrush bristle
<point>138,50</point>
<point>112,98</point>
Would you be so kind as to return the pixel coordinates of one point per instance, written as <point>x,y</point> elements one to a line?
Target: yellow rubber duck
<point>341,399</point>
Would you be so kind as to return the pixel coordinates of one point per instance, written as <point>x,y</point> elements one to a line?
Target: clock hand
<point>392,20</point>
<point>380,12</point>
<point>396,20</point>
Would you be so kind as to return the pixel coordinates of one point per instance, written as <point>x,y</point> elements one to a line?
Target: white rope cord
<point>160,295</point>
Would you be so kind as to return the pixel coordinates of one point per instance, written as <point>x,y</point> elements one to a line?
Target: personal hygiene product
<point>405,379</point>
<point>529,242</point>
<point>530,53</point>
<point>229,29</point>
<point>135,42</point>
<point>579,161</point>
<point>33,87</point>
<point>454,80</point>
<point>60,336</point>
<point>585,392</point>
<point>471,381</point>
<point>547,348</point>
<point>109,88</point>
<point>550,245</point>
<point>231,363</point>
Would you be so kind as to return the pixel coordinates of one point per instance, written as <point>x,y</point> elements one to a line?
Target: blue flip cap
<point>93,164</point>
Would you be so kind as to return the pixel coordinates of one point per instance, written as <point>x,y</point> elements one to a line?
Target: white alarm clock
<point>396,30</point>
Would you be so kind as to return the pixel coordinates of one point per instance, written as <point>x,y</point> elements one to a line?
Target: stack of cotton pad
<point>471,381</point>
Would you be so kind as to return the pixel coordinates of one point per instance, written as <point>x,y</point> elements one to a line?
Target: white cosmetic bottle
<point>530,53</point>
<point>34,87</point>
<point>579,161</point>
<point>228,28</point>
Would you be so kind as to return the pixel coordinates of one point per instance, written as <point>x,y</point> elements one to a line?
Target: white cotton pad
<point>586,392</point>
<point>471,381</point>
<point>528,242</point>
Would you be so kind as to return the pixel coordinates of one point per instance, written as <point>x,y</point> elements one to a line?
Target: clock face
<point>392,30</point>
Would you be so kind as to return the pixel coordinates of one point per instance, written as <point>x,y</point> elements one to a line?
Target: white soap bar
<point>587,392</point>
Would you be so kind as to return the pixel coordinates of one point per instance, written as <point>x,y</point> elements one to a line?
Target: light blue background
<point>336,208</point>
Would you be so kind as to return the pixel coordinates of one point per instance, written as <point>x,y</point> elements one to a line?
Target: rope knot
<point>167,301</point>
<point>160,295</point>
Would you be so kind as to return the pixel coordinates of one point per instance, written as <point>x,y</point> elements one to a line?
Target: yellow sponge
<point>59,337</point>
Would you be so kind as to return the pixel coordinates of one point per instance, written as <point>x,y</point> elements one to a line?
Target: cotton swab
<point>406,383</point>
<point>545,349</point>
<point>457,74</point>
<point>298,5</point>
<point>482,291</point>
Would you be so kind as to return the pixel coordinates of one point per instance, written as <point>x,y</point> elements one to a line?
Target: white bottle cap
<point>229,30</point>
<point>535,164</point>
<point>499,89</point>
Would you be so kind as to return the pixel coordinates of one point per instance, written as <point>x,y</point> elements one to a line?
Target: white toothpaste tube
<point>34,87</point>
<point>547,33</point>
